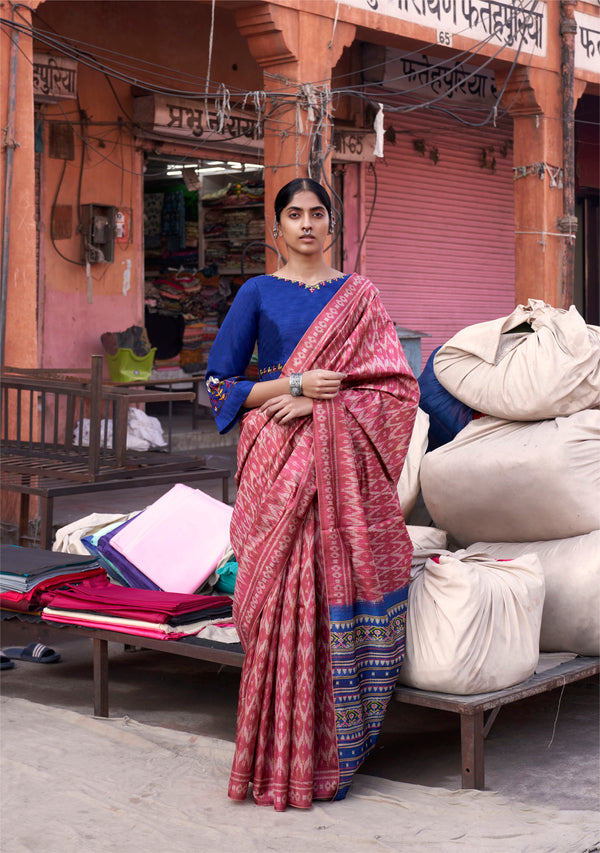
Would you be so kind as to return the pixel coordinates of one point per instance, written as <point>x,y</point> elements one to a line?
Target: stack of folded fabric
<point>175,544</point>
<point>98,543</point>
<point>144,613</point>
<point>29,576</point>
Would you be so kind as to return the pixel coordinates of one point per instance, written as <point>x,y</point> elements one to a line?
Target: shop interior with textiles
<point>203,237</point>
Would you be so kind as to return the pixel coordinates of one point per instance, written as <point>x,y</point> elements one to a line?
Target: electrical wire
<point>372,211</point>
<point>280,101</point>
<point>352,91</point>
<point>52,211</point>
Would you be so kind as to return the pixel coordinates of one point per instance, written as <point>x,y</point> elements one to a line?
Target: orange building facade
<point>494,98</point>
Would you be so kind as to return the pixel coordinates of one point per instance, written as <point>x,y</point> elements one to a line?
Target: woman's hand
<point>285,408</point>
<point>321,384</point>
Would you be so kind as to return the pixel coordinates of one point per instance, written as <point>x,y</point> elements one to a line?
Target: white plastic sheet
<point>143,431</point>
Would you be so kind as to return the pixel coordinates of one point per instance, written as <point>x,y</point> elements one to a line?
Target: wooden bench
<point>473,729</point>
<point>41,457</point>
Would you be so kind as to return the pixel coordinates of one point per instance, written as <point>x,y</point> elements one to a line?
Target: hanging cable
<point>372,211</point>
<point>210,50</point>
<point>52,211</point>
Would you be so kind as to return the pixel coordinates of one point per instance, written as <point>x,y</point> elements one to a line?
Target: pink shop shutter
<point>440,246</point>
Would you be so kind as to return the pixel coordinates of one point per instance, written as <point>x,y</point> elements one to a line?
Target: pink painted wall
<point>170,40</point>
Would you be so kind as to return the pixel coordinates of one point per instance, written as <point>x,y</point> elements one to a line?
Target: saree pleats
<point>324,562</point>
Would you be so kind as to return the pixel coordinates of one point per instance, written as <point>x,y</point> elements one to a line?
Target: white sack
<point>505,481</point>
<point>552,371</point>
<point>409,484</point>
<point>427,538</point>
<point>473,623</point>
<point>571,616</point>
<point>143,431</point>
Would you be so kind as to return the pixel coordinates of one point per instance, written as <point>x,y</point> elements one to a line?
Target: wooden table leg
<point>23,517</point>
<point>471,743</point>
<point>46,513</point>
<point>100,677</point>
<point>225,482</point>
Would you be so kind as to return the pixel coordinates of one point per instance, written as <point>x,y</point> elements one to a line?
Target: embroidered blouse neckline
<point>317,286</point>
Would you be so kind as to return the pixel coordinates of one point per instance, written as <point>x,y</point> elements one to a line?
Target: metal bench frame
<point>41,458</point>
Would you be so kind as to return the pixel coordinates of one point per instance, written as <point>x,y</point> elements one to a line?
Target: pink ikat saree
<point>324,562</point>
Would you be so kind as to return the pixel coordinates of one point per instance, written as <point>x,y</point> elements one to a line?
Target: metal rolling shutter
<point>440,245</point>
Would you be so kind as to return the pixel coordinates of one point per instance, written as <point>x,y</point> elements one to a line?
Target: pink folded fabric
<point>149,631</point>
<point>178,540</point>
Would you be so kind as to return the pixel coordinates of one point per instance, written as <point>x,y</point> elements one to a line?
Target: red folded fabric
<point>43,591</point>
<point>151,605</point>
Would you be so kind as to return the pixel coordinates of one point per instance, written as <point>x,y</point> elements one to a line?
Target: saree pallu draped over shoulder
<point>324,562</point>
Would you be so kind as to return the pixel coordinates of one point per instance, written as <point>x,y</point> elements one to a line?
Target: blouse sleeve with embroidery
<point>229,357</point>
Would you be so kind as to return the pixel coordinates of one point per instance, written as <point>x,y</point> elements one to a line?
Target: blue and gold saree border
<point>367,650</point>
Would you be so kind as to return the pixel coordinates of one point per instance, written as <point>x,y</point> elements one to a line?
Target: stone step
<point>203,438</point>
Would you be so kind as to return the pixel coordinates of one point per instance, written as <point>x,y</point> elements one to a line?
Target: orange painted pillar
<point>17,191</point>
<point>297,50</point>
<point>18,207</point>
<point>534,100</point>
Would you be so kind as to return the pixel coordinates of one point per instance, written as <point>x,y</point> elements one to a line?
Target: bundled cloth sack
<point>427,538</point>
<point>473,622</point>
<point>571,567</point>
<point>409,484</point>
<point>540,362</point>
<point>504,481</point>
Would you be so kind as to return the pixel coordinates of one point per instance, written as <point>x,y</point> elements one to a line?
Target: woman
<point>323,553</point>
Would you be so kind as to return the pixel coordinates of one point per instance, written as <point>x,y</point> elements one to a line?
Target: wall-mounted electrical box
<point>98,225</point>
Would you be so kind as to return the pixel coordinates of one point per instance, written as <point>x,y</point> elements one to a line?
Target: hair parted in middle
<point>287,192</point>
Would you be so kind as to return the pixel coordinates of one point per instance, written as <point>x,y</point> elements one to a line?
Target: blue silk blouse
<point>270,313</point>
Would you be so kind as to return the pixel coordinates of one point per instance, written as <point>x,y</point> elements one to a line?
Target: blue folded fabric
<point>447,415</point>
<point>109,568</point>
<point>132,576</point>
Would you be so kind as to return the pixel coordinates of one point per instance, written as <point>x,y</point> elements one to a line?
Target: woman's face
<point>304,223</point>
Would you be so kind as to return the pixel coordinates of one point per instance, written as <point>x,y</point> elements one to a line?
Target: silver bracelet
<point>296,384</point>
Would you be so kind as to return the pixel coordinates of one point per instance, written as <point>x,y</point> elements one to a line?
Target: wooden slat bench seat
<point>473,727</point>
<point>41,456</point>
<point>47,489</point>
<point>471,709</point>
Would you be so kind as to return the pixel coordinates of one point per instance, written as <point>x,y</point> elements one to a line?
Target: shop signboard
<point>192,120</point>
<point>512,24</point>
<point>54,77</point>
<point>353,145</point>
<point>587,43</point>
<point>431,77</point>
